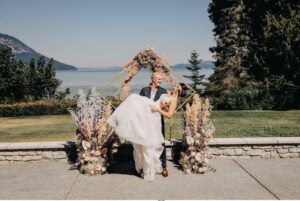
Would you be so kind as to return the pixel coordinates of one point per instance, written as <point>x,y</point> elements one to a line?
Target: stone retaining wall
<point>26,156</point>
<point>266,152</point>
<point>266,148</point>
<point>36,151</point>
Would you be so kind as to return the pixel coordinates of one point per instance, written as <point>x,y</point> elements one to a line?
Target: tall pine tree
<point>196,78</point>
<point>13,82</point>
<point>257,44</point>
<point>231,46</point>
<point>51,83</point>
<point>32,81</point>
<point>25,82</point>
<point>40,82</point>
<point>5,72</point>
<point>274,48</point>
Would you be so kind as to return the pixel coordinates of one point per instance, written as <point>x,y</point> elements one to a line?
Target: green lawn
<point>228,124</point>
<point>252,123</point>
<point>37,128</point>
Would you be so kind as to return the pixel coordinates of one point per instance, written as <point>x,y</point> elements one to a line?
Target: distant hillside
<point>112,68</point>
<point>204,65</point>
<point>25,53</point>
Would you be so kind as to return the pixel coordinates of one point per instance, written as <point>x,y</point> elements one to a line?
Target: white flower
<point>98,167</point>
<point>86,145</point>
<point>189,140</point>
<point>198,156</point>
<point>90,167</point>
<point>201,170</point>
<point>97,153</point>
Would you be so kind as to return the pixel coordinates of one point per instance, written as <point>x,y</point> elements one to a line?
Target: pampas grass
<point>198,129</point>
<point>90,118</point>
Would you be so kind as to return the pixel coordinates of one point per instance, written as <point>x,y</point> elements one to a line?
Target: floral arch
<point>146,58</point>
<point>93,132</point>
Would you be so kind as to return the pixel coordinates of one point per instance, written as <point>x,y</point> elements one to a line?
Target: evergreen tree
<point>12,77</point>
<point>194,68</point>
<point>274,57</point>
<point>51,83</point>
<point>41,65</point>
<point>257,43</point>
<point>32,75</point>
<point>19,81</point>
<point>5,72</point>
<point>40,82</point>
<point>231,46</point>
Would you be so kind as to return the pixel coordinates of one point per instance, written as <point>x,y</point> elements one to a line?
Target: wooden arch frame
<point>146,58</point>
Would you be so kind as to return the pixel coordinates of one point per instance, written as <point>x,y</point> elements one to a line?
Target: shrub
<point>264,96</point>
<point>41,107</point>
<point>245,98</point>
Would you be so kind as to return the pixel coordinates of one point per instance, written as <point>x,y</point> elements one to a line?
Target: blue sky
<point>98,33</point>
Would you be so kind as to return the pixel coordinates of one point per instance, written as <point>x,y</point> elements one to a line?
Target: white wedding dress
<point>134,121</point>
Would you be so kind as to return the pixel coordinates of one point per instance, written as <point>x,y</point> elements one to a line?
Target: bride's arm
<point>170,112</point>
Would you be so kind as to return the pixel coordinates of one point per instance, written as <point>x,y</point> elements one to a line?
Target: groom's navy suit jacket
<point>146,91</point>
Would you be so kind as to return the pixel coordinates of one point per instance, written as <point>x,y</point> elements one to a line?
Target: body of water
<point>113,79</point>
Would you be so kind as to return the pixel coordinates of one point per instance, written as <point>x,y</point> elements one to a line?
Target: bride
<point>138,119</point>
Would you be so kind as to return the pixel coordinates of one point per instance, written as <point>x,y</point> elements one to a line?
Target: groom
<point>154,91</point>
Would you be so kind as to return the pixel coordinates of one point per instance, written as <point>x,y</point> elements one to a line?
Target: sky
<point>99,33</point>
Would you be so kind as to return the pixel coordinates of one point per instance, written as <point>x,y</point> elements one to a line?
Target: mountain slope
<point>25,53</point>
<point>182,66</point>
<point>203,64</point>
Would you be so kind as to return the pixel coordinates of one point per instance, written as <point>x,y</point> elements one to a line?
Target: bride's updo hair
<point>181,89</point>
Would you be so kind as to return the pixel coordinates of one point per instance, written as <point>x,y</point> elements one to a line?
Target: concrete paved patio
<point>234,179</point>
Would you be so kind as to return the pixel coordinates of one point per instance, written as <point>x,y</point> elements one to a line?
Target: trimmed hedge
<point>41,107</point>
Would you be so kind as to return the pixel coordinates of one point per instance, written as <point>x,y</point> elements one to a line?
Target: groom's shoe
<point>165,172</point>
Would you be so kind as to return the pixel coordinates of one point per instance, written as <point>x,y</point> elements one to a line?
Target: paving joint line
<point>253,177</point>
<point>73,183</point>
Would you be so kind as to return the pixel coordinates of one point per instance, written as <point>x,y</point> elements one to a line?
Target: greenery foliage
<point>257,54</point>
<point>194,68</point>
<point>231,45</point>
<point>25,82</point>
<point>40,107</point>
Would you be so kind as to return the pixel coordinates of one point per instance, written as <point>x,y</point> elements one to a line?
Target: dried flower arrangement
<point>144,59</point>
<point>198,129</point>
<point>90,118</point>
